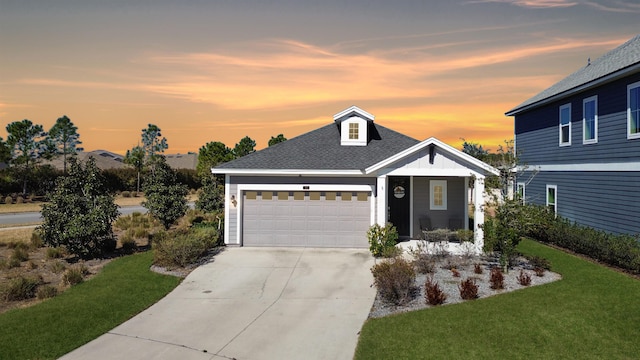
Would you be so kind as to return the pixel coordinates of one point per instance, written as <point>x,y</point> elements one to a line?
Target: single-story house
<point>325,188</point>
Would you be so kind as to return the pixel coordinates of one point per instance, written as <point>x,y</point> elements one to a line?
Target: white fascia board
<point>356,110</point>
<point>285,172</point>
<point>608,167</point>
<point>430,172</point>
<point>445,147</point>
<point>304,187</point>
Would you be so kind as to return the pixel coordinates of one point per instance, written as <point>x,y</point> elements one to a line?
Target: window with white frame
<point>590,120</point>
<point>565,125</point>
<point>633,111</point>
<point>552,198</point>
<point>438,194</point>
<point>353,131</point>
<point>520,192</point>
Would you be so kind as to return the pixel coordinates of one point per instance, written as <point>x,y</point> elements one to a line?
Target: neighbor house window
<point>353,131</point>
<point>438,192</point>
<point>633,111</point>
<point>590,120</point>
<point>552,198</point>
<point>520,192</point>
<point>565,125</point>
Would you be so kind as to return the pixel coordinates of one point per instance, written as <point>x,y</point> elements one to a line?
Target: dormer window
<point>353,131</point>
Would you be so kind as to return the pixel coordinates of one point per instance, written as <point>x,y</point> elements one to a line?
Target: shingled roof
<point>320,149</point>
<point>617,62</point>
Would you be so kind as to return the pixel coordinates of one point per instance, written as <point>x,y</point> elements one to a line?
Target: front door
<point>398,197</point>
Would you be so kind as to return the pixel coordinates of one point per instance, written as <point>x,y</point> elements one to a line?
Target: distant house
<point>582,136</point>
<point>182,161</point>
<point>325,188</point>
<point>109,160</point>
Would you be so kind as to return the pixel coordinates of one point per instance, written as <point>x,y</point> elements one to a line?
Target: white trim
<point>629,134</point>
<point>429,172</point>
<point>442,146</point>
<point>614,166</point>
<point>355,109</point>
<point>555,195</point>
<point>411,207</point>
<point>595,120</point>
<point>381,200</point>
<point>227,204</point>
<point>568,143</point>
<point>466,202</point>
<point>432,185</point>
<point>285,172</point>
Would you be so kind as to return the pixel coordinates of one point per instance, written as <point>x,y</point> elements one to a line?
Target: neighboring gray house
<point>582,137</point>
<point>325,188</point>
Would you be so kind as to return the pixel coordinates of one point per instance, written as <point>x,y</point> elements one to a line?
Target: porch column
<point>381,210</point>
<point>478,214</point>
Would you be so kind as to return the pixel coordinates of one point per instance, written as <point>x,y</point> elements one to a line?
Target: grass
<point>56,326</point>
<point>16,235</point>
<point>592,313</point>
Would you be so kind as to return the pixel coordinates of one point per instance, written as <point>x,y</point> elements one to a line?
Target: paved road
<point>34,216</point>
<point>252,303</point>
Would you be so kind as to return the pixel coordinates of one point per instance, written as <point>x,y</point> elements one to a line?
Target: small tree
<point>64,140</point>
<point>166,198</point>
<point>80,212</point>
<point>28,145</point>
<point>210,199</point>
<point>135,158</point>
<point>245,147</point>
<point>212,154</point>
<point>153,142</point>
<point>277,139</point>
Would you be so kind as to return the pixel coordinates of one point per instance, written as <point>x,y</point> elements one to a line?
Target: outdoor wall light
<point>234,201</point>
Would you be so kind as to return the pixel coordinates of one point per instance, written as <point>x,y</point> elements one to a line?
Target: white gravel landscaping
<point>448,283</point>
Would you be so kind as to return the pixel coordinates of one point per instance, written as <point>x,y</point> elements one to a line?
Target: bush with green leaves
<point>80,213</point>
<point>382,239</point>
<point>166,198</point>
<point>180,248</point>
<point>211,195</point>
<point>395,280</point>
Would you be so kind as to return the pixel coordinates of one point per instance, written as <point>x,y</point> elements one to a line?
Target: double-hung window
<point>565,125</point>
<point>633,111</point>
<point>438,195</point>
<point>590,120</point>
<point>552,198</point>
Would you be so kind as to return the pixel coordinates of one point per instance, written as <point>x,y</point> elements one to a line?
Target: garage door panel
<point>316,222</point>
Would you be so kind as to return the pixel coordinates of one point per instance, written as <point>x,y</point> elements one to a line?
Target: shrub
<point>80,212</point>
<point>20,288</point>
<point>19,200</point>
<point>381,238</point>
<point>8,200</point>
<point>31,265</point>
<point>455,272</point>
<point>3,264</point>
<point>166,198</point>
<point>46,292</point>
<point>465,235</point>
<point>13,263</point>
<point>424,263</point>
<point>182,248</point>
<point>58,267</point>
<point>20,254</point>
<point>432,293</point>
<point>537,261</point>
<point>496,279</point>
<point>36,240</point>
<point>468,289</point>
<point>477,268</point>
<point>394,280</point>
<point>126,194</point>
<point>74,275</point>
<point>54,253</point>
<point>129,245</point>
<point>524,278</point>
<point>539,271</point>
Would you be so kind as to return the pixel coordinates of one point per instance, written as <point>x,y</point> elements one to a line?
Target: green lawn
<point>592,313</point>
<point>54,327</point>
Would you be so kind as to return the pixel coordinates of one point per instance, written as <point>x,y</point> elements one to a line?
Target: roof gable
<point>618,62</point>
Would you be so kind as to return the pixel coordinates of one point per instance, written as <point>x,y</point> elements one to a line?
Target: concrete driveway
<point>252,303</point>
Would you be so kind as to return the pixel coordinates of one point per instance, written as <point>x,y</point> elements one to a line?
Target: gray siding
<point>233,216</point>
<point>607,201</point>
<point>439,218</point>
<point>304,180</point>
<point>541,146</point>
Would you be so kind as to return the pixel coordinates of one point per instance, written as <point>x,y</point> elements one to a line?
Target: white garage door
<point>311,218</point>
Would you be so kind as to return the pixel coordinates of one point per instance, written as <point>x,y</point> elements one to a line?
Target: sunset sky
<point>220,70</point>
